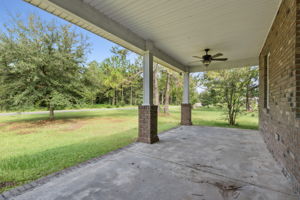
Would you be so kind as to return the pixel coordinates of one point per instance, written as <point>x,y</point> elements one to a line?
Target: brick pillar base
<point>148,124</point>
<point>186,114</point>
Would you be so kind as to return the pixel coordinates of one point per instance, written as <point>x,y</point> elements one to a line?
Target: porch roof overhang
<point>176,30</point>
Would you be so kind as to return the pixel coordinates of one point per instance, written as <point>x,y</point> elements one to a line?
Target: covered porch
<point>193,162</point>
<point>189,162</point>
<point>175,36</point>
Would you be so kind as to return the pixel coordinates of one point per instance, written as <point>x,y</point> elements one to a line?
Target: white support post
<point>148,79</point>
<point>186,90</point>
<point>148,111</point>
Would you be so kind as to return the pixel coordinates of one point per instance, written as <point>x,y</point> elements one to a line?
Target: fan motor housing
<point>207,57</point>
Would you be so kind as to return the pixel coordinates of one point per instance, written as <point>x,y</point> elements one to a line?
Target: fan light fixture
<point>207,58</point>
<point>206,62</point>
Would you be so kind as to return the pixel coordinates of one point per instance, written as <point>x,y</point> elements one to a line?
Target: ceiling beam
<point>248,62</point>
<point>87,17</point>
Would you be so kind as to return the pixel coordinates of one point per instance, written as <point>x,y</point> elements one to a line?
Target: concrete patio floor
<point>189,163</point>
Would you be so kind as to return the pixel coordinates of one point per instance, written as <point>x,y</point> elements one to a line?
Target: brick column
<point>148,124</point>
<point>186,114</point>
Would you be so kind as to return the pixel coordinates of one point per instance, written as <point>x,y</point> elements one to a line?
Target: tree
<point>155,84</point>
<point>208,97</point>
<point>229,87</point>
<point>41,64</point>
<point>121,76</point>
<point>167,93</point>
<point>251,87</point>
<point>92,78</point>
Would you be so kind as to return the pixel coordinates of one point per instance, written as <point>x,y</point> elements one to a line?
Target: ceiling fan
<point>207,59</point>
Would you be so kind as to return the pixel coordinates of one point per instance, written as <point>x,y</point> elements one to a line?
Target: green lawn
<point>32,147</point>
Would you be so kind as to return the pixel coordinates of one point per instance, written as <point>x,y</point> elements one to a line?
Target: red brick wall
<point>186,114</point>
<point>280,125</point>
<point>148,124</point>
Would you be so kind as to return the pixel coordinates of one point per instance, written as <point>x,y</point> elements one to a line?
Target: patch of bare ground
<point>24,132</point>
<point>23,128</point>
<point>77,124</point>
<point>7,184</point>
<point>36,124</point>
<point>163,114</point>
<point>109,119</point>
<point>74,126</point>
<point>4,125</point>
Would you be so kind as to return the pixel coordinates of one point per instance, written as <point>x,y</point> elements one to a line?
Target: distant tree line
<point>117,81</point>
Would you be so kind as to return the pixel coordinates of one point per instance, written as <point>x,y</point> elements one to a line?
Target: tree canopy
<point>41,64</point>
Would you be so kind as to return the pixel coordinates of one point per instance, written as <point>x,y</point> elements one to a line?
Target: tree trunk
<point>156,88</point>
<point>167,95</point>
<point>131,95</point>
<point>248,108</point>
<point>162,99</point>
<point>155,83</point>
<point>115,97</point>
<point>230,114</point>
<point>51,113</point>
<point>122,94</point>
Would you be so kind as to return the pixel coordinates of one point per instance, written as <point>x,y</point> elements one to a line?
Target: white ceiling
<point>183,28</point>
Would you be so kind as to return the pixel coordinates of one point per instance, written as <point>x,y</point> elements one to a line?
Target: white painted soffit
<point>179,29</point>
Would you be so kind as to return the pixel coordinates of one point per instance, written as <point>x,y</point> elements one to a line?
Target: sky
<point>100,47</point>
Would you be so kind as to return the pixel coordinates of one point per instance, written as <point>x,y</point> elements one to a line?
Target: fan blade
<point>195,61</point>
<point>217,55</point>
<point>197,57</point>
<point>219,59</point>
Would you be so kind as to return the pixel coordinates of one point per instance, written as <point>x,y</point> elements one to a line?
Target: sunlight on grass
<point>32,147</point>
<point>213,117</point>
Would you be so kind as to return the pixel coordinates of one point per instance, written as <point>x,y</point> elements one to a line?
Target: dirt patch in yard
<point>65,125</point>
<point>36,124</point>
<point>25,132</point>
<point>113,120</point>
<point>75,126</point>
<point>7,184</point>
<point>163,114</point>
<point>23,128</point>
<point>3,124</point>
<point>102,120</point>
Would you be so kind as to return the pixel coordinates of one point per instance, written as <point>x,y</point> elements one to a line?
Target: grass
<point>216,117</point>
<point>32,147</point>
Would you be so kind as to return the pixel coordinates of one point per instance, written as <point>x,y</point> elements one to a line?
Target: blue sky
<point>100,47</point>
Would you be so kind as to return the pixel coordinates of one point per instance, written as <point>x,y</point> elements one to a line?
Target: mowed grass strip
<point>32,147</point>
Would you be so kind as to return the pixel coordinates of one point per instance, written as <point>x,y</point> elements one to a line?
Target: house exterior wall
<point>280,120</point>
